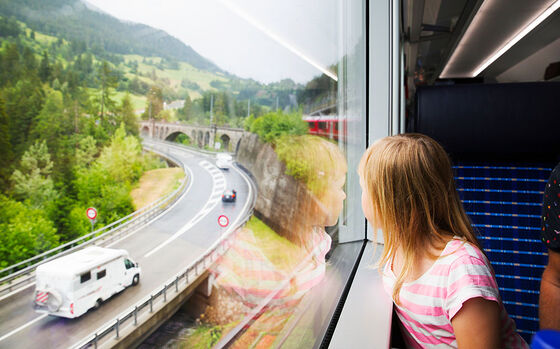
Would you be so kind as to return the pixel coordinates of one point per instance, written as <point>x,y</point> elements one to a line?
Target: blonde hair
<point>409,181</point>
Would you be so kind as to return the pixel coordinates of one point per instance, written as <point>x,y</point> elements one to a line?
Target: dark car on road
<point>229,196</point>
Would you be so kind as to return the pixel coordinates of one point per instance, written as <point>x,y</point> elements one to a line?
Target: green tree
<point>32,181</point>
<point>107,82</point>
<point>10,64</point>
<point>86,150</point>
<point>45,69</point>
<point>154,103</point>
<point>23,102</point>
<point>185,113</point>
<point>54,124</point>
<point>5,147</point>
<point>272,126</point>
<point>106,183</point>
<point>9,27</point>
<point>128,117</point>
<point>26,232</point>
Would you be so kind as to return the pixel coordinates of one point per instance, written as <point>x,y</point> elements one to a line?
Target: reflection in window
<point>279,257</point>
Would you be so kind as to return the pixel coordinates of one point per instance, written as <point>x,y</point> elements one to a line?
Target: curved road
<point>163,248</point>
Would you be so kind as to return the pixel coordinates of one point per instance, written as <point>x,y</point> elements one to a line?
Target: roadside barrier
<point>163,294</point>
<point>23,273</point>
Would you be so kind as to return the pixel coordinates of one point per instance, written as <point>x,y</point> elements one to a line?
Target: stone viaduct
<point>201,136</point>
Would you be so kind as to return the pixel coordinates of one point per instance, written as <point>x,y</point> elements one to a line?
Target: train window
<point>156,92</point>
<point>335,125</point>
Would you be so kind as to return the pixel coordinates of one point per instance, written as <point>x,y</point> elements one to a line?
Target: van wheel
<point>98,303</point>
<point>135,280</point>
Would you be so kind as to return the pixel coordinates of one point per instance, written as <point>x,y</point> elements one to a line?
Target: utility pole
<point>248,107</point>
<point>276,103</point>
<point>152,120</point>
<point>212,125</point>
<point>211,105</point>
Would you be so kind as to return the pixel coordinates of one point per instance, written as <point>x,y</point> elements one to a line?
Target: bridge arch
<point>207,139</point>
<point>225,140</point>
<point>145,132</point>
<point>200,139</point>
<point>178,136</point>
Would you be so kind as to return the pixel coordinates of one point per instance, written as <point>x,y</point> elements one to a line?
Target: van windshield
<point>128,264</point>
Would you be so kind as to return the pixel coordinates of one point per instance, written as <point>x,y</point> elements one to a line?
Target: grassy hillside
<point>73,20</point>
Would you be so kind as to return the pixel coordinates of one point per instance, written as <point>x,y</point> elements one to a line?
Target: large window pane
<point>241,97</point>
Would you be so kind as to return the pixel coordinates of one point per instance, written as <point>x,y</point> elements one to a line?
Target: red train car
<point>326,126</point>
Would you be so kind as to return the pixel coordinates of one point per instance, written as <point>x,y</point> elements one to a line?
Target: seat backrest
<point>503,141</point>
<point>504,205</point>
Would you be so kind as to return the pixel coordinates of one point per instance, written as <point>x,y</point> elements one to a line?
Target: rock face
<point>279,195</point>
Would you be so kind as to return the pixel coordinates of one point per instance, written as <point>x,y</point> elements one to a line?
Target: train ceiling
<point>453,39</point>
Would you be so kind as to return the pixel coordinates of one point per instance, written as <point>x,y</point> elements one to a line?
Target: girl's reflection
<point>265,273</point>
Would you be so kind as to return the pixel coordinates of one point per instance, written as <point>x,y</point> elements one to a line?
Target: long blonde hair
<point>409,181</point>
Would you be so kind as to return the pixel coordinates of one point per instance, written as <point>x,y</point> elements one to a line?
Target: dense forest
<point>74,20</point>
<point>146,56</point>
<point>66,144</point>
<point>70,94</point>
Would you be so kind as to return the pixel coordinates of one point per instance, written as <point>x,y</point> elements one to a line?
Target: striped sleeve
<point>469,277</point>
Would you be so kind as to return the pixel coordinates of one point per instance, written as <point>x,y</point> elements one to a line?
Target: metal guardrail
<point>22,273</point>
<point>179,282</point>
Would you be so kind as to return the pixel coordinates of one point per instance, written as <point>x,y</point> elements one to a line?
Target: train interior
<point>481,78</point>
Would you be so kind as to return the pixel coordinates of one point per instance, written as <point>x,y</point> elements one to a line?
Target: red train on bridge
<point>328,126</point>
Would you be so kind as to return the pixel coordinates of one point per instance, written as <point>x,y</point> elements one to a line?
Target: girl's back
<point>442,285</point>
<point>428,303</point>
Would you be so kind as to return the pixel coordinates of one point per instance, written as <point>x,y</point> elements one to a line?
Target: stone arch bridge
<point>201,136</point>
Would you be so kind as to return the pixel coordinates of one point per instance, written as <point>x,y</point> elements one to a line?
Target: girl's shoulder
<point>460,251</point>
<point>459,247</point>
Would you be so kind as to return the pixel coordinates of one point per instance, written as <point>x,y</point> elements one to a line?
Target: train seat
<point>501,139</point>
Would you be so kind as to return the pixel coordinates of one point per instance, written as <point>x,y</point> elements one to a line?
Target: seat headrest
<point>489,121</point>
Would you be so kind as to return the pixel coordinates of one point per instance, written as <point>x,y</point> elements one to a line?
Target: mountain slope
<point>74,20</point>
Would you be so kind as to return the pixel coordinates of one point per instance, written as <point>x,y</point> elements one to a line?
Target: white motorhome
<point>223,161</point>
<point>71,285</point>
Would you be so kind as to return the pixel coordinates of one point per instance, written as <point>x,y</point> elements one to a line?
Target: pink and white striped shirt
<point>429,303</point>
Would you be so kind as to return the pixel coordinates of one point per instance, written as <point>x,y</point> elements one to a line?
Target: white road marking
<point>126,236</point>
<point>208,206</point>
<point>16,291</point>
<point>217,189</point>
<point>246,203</point>
<point>22,327</point>
<point>161,214</point>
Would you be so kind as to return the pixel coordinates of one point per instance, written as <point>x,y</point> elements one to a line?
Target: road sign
<point>91,213</point>
<point>223,221</point>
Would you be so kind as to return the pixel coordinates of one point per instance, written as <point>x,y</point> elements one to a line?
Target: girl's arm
<point>477,324</point>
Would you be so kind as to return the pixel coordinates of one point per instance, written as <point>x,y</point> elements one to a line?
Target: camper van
<point>71,285</point>
<point>223,161</point>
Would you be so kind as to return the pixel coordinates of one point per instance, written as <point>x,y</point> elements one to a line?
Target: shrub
<point>270,127</point>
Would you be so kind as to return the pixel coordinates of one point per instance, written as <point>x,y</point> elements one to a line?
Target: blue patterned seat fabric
<point>504,203</point>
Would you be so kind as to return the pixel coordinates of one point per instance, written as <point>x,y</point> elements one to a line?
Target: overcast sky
<point>267,40</point>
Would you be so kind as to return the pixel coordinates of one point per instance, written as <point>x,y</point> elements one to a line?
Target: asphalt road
<point>163,248</point>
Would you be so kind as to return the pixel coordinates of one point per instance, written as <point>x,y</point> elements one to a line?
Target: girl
<point>442,284</point>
